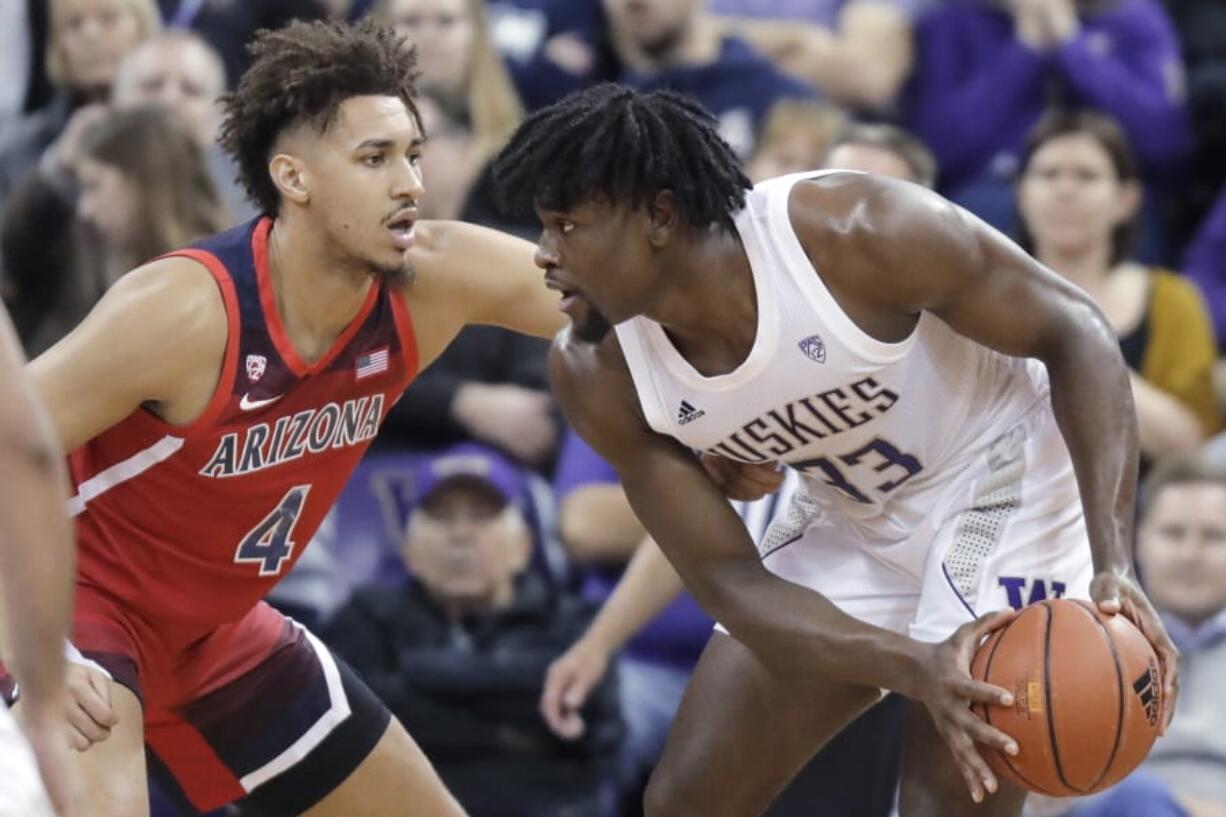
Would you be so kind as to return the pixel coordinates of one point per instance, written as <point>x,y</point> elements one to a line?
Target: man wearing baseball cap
<point>460,649</point>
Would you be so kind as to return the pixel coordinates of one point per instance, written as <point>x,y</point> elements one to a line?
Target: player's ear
<point>289,175</point>
<point>662,218</point>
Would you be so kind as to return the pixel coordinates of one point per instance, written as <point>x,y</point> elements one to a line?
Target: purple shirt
<point>1206,264</point>
<point>976,89</point>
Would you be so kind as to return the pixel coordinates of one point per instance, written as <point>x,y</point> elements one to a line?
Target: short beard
<point>395,277</point>
<point>594,327</point>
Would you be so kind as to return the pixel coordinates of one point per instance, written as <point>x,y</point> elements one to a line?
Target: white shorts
<point>21,787</point>
<point>1006,530</point>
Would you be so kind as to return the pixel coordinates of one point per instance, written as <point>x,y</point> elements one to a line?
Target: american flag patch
<point>371,363</point>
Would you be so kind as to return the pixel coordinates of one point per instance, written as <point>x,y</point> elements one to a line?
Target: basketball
<point>1087,693</point>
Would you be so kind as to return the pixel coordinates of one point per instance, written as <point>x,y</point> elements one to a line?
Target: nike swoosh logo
<point>247,404</point>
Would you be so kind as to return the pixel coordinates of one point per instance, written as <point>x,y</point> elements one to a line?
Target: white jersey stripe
<point>121,472</point>
<point>311,738</point>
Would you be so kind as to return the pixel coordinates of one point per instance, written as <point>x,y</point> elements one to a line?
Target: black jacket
<point>467,691</point>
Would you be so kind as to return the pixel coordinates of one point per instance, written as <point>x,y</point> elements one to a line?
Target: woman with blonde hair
<point>469,104</point>
<point>86,40</point>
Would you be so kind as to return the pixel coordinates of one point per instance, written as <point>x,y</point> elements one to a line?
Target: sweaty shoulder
<point>157,338</point>
<point>881,239</point>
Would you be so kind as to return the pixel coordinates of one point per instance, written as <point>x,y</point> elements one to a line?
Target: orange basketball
<point>1087,695</point>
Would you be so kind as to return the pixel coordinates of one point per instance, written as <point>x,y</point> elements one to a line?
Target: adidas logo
<point>1147,689</point>
<point>688,414</point>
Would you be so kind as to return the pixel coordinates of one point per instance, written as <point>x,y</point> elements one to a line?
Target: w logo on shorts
<point>814,348</point>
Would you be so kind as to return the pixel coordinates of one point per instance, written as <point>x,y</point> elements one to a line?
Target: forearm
<point>36,560</point>
<point>648,586</point>
<point>1165,426</point>
<point>1093,406</point>
<point>796,630</point>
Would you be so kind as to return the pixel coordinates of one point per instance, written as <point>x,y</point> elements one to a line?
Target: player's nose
<point>408,182</point>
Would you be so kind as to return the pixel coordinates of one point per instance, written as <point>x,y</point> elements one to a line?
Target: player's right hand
<point>947,689</point>
<point>90,714</point>
<point>742,480</point>
<point>568,682</point>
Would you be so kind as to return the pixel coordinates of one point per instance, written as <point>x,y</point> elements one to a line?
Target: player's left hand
<point>742,480</point>
<point>1115,593</point>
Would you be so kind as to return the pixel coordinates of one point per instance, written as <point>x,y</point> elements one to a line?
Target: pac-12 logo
<point>814,348</point>
<point>256,364</point>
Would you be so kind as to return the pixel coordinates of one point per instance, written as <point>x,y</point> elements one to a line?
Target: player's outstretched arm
<point>789,627</point>
<point>896,246</point>
<point>648,586</point>
<point>156,339</point>
<point>467,274</point>
<point>36,565</point>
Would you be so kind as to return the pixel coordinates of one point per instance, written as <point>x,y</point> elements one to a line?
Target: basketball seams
<point>987,713</point>
<point>1051,716</point>
<point>1119,686</point>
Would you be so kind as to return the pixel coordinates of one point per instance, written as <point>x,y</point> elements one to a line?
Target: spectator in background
<point>182,73</point>
<point>1181,556</point>
<point>551,47</point>
<point>473,105</point>
<point>460,650</point>
<point>1078,195</point>
<point>1201,27</point>
<point>858,52</point>
<point>987,69</point>
<point>1205,263</point>
<point>676,44</point>
<point>885,150</point>
<point>229,25</point>
<point>795,137</point>
<point>144,190</point>
<point>87,39</point>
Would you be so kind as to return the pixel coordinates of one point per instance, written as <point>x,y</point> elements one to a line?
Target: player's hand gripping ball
<point>1087,697</point>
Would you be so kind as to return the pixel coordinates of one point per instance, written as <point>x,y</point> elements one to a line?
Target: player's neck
<point>316,301</point>
<point>708,303</point>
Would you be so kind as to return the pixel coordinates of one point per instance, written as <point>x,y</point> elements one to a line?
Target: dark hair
<point>176,200</point>
<point>611,142</point>
<point>301,74</point>
<point>1181,470</point>
<point>908,147</point>
<point>1102,129</point>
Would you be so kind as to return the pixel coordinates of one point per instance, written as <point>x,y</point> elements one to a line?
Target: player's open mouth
<point>569,296</point>
<point>401,228</point>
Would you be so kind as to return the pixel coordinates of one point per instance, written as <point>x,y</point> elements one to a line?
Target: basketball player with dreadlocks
<point>215,402</point>
<point>959,415</point>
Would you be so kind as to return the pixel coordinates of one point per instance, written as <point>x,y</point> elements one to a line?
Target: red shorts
<point>257,709</point>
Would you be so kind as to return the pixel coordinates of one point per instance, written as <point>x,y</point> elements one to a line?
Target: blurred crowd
<point>479,539</point>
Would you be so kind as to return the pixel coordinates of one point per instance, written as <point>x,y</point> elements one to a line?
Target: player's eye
<point>565,226</point>
<point>372,159</point>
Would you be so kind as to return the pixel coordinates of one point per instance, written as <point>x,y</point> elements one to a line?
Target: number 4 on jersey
<point>269,543</point>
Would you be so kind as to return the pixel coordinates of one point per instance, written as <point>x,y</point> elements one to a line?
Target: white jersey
<point>21,788</point>
<point>876,429</point>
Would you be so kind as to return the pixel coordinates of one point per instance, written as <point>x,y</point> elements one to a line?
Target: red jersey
<point>189,526</point>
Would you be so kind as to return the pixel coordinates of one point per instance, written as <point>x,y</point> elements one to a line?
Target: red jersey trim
<point>229,363</point>
<point>276,329</point>
<point>404,328</point>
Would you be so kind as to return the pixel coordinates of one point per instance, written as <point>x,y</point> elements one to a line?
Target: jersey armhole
<point>405,331</point>
<point>229,362</point>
